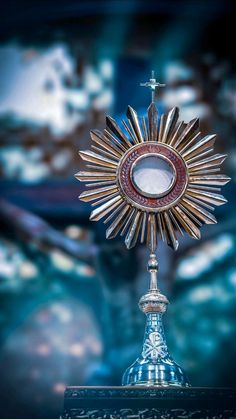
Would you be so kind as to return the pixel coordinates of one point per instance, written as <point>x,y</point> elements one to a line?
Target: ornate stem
<point>154,366</point>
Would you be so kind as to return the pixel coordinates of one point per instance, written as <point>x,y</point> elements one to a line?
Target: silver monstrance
<point>153,179</point>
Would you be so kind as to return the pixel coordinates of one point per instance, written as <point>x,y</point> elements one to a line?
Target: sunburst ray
<point>152,123</point>
<point>139,215</point>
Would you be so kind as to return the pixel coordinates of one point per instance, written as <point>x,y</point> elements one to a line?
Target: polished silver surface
<point>154,366</point>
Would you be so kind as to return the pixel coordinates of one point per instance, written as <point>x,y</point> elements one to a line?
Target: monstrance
<point>153,179</point>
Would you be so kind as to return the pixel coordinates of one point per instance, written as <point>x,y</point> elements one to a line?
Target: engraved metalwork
<point>183,205</point>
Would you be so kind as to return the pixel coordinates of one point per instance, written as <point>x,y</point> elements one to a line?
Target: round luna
<point>152,178</point>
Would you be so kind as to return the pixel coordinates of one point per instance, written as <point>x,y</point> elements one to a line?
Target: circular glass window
<point>153,175</point>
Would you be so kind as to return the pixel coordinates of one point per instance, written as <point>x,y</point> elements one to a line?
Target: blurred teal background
<point>68,298</point>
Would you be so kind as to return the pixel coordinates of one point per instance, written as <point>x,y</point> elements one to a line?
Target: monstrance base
<point>158,375</point>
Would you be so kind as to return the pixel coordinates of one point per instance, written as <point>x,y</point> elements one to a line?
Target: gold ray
<point>209,162</point>
<point>136,140</point>
<point>162,127</point>
<point>133,233</point>
<point>117,224</point>
<point>101,140</point>
<point>185,146</point>
<point>190,131</point>
<point>200,156</point>
<point>170,123</point>
<point>202,145</point>
<point>101,183</point>
<point>210,197</point>
<point>104,199</point>
<point>152,233</point>
<point>143,227</point>
<point>199,202</point>
<point>145,133</point>
<point>114,127</point>
<point>160,226</point>
<point>104,209</point>
<point>209,171</point>
<point>187,224</point>
<point>92,157</point>
<point>204,187</point>
<point>104,153</point>
<point>152,122</point>
<point>130,216</point>
<point>90,195</point>
<point>169,232</point>
<point>118,209</point>
<point>175,222</point>
<point>91,176</point>
<point>190,214</point>
<point>200,212</point>
<point>101,169</point>
<point>220,180</point>
<point>130,132</point>
<point>133,118</point>
<point>113,140</point>
<point>178,130</point>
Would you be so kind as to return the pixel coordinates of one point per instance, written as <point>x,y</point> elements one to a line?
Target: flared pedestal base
<point>160,374</point>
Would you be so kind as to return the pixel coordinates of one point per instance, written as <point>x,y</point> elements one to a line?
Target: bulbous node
<point>153,302</point>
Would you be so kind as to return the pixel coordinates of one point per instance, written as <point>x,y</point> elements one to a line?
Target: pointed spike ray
<point>114,127</point>
<point>171,120</point>
<point>215,160</point>
<point>131,215</point>
<point>175,222</point>
<point>190,130</point>
<point>143,227</point>
<point>92,194</point>
<point>191,215</point>
<point>101,168</point>
<point>152,122</point>
<point>92,176</point>
<point>202,145</point>
<point>92,157</point>
<point>105,153</point>
<point>133,117</point>
<point>200,156</point>
<point>118,209</point>
<point>212,198</point>
<point>160,226</point>
<point>130,132</point>
<point>117,224</point>
<point>132,235</point>
<point>178,130</point>
<point>186,145</point>
<point>204,188</point>
<point>170,232</point>
<point>104,199</point>
<point>199,201</point>
<point>220,180</point>
<point>101,183</point>
<point>101,140</point>
<point>187,224</point>
<point>152,233</point>
<point>104,209</point>
<point>145,132</point>
<point>200,212</point>
<point>114,141</point>
<point>162,127</point>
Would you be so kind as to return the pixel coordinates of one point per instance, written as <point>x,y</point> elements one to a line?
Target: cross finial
<point>152,84</point>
